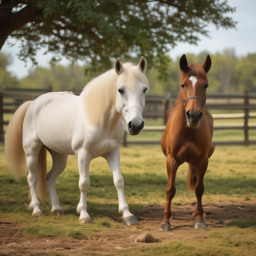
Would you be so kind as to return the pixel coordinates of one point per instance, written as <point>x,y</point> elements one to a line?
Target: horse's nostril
<point>200,115</point>
<point>188,114</point>
<point>141,126</point>
<point>130,125</point>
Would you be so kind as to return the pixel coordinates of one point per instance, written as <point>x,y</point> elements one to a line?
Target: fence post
<point>246,117</point>
<point>166,107</point>
<point>1,117</point>
<point>50,88</point>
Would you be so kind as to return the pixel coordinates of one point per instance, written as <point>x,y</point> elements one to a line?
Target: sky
<point>242,39</point>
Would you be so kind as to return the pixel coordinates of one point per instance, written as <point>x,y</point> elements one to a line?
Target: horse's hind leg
<point>59,163</point>
<point>32,155</point>
<point>113,160</point>
<point>201,168</point>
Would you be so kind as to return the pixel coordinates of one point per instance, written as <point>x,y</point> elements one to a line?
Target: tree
<point>245,73</point>
<point>99,30</point>
<point>62,78</point>
<point>6,79</point>
<point>236,73</point>
<point>222,71</point>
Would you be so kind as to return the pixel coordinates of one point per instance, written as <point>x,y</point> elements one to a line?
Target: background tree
<point>62,78</point>
<point>223,70</point>
<point>6,78</point>
<point>245,73</point>
<point>242,74</point>
<point>99,30</point>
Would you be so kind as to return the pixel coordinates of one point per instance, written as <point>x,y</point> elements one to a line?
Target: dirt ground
<point>12,242</point>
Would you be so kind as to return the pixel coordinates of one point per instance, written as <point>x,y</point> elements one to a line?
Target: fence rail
<point>156,107</point>
<point>12,98</point>
<point>244,106</point>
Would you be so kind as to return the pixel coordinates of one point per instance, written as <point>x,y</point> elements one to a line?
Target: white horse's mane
<point>100,93</point>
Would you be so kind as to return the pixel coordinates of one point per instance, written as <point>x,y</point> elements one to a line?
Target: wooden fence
<point>230,102</point>
<point>12,98</point>
<point>156,107</point>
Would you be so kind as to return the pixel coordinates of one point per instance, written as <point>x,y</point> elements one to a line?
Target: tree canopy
<point>99,30</point>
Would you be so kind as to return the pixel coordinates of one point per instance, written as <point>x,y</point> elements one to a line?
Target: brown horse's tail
<point>191,178</point>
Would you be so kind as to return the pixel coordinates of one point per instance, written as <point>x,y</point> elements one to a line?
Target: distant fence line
<point>12,98</point>
<point>156,107</point>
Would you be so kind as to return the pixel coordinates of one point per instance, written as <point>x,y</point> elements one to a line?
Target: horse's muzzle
<point>193,119</point>
<point>135,129</point>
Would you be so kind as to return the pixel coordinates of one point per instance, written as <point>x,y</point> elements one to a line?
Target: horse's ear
<point>142,64</point>
<point>183,63</point>
<point>207,64</point>
<point>119,66</point>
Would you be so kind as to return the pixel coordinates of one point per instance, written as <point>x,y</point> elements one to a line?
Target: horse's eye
<point>121,91</point>
<point>206,86</point>
<point>182,86</point>
<point>144,91</point>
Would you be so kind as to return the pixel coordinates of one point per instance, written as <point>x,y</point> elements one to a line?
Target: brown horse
<point>188,136</point>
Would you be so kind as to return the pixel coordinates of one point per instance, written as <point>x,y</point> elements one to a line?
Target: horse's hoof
<point>58,212</point>
<point>37,214</point>
<point>132,220</point>
<point>200,224</point>
<point>85,221</point>
<point>165,227</point>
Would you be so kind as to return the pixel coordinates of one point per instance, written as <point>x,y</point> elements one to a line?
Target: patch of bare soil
<point>12,242</point>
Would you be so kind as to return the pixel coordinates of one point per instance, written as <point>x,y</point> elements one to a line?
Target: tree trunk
<point>3,38</point>
<point>9,21</point>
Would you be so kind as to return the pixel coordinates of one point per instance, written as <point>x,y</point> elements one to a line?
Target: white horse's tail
<point>14,152</point>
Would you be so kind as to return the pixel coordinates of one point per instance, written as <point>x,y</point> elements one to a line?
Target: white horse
<point>88,125</point>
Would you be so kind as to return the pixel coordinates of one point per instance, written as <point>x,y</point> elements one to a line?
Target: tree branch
<point>69,26</point>
<point>13,21</point>
<point>25,15</point>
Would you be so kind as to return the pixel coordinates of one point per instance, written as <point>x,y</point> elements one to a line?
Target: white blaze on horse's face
<point>193,79</point>
<point>130,99</point>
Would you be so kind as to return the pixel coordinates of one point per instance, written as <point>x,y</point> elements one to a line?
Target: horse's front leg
<point>201,168</point>
<point>172,166</point>
<point>84,159</point>
<point>113,160</point>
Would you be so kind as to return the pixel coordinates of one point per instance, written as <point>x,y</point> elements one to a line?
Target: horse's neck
<point>110,119</point>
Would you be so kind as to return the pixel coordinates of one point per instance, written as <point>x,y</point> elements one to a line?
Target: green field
<point>231,177</point>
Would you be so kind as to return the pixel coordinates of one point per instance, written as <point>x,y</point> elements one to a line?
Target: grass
<point>230,176</point>
<point>144,172</point>
<point>228,241</point>
<point>242,223</point>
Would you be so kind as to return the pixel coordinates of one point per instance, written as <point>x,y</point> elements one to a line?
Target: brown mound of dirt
<point>146,238</point>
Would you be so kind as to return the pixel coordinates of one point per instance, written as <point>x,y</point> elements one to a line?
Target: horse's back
<point>51,119</point>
